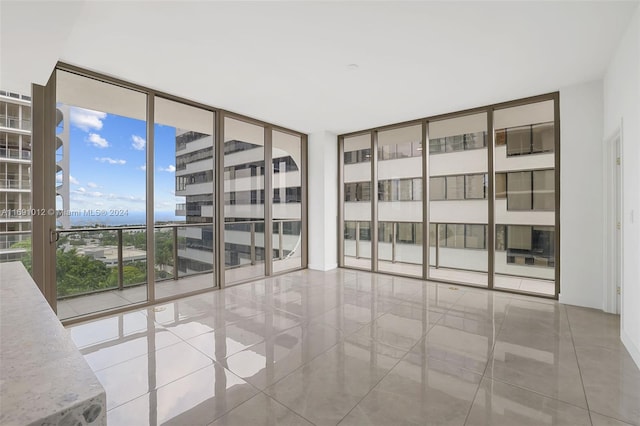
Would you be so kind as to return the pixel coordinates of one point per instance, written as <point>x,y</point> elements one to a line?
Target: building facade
<point>383,191</point>
<point>15,175</point>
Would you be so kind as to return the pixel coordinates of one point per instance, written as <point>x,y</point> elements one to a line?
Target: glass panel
<point>501,185</point>
<point>543,137</point>
<point>101,257</point>
<point>459,205</point>
<point>357,205</point>
<point>525,218</point>
<point>475,236</point>
<point>544,190</point>
<point>244,200</point>
<point>455,187</point>
<point>475,187</point>
<point>518,140</point>
<point>183,197</point>
<point>437,188</point>
<point>437,145</point>
<point>400,216</point>
<point>287,201</point>
<point>519,192</point>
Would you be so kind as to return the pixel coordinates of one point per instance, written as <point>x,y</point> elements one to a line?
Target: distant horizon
<point>134,219</point>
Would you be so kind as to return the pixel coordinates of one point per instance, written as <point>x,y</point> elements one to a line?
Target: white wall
<point>323,201</point>
<point>581,216</point>
<point>622,105</point>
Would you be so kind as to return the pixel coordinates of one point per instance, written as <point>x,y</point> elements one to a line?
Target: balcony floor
<point>96,302</point>
<point>508,282</point>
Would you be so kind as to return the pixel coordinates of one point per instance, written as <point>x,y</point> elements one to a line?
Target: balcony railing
<point>8,239</point>
<point>255,227</point>
<point>15,153</point>
<point>177,254</point>
<point>126,248</point>
<point>14,122</point>
<point>15,184</point>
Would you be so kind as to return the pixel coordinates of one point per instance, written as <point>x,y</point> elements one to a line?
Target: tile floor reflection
<point>354,348</point>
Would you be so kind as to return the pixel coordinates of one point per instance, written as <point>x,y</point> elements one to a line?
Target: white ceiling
<point>287,62</point>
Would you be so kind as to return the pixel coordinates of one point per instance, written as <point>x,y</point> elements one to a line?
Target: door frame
<point>613,241</point>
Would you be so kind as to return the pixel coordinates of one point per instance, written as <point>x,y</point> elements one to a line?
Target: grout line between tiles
<point>575,353</point>
<point>404,356</point>
<point>490,359</point>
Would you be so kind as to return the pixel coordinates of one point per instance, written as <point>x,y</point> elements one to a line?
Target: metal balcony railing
<point>8,239</point>
<point>15,153</point>
<point>179,241</point>
<point>15,184</point>
<point>14,122</point>
<point>254,227</point>
<point>97,236</point>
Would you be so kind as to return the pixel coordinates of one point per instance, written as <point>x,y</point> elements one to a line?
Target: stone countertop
<point>44,380</point>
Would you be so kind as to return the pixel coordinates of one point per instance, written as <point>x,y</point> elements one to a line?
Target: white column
<point>323,201</point>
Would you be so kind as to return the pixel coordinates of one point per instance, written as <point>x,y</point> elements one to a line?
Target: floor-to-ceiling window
<point>491,183</point>
<point>458,207</point>
<point>525,197</point>
<point>101,197</point>
<point>399,176</point>
<point>287,173</point>
<point>157,197</point>
<point>183,185</point>
<point>244,200</point>
<point>356,196</point>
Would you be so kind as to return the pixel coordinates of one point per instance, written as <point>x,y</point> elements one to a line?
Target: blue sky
<point>107,166</point>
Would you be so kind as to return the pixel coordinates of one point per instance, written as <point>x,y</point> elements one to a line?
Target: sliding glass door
<point>100,186</point>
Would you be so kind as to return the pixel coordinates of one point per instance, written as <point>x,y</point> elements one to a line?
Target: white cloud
<point>87,119</point>
<point>132,198</point>
<point>59,178</point>
<point>110,160</point>
<point>143,167</point>
<point>83,194</point>
<point>73,180</point>
<point>91,185</point>
<point>98,141</point>
<point>170,168</point>
<point>137,142</point>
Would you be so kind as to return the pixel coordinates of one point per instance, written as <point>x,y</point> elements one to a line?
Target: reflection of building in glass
<point>194,182</point>
<point>244,200</point>
<point>458,192</point>
<point>63,148</point>
<point>15,174</point>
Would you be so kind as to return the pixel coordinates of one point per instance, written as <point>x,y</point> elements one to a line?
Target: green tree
<point>26,259</point>
<point>79,274</point>
<point>135,273</point>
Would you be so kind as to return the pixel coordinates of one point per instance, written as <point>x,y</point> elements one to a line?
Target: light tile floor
<point>354,348</point>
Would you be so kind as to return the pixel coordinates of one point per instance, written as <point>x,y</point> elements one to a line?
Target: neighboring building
<point>15,174</point>
<point>245,198</point>
<point>458,190</point>
<point>194,182</point>
<point>63,147</point>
